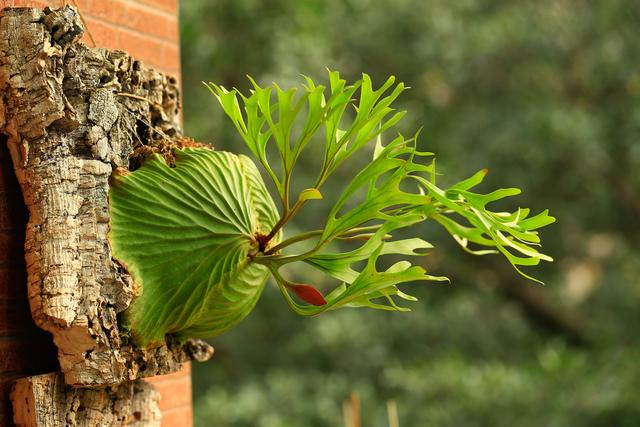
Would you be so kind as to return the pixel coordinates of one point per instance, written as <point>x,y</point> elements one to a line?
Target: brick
<point>4,151</point>
<point>153,52</point>
<point>6,381</point>
<point>174,394</point>
<point>168,5</point>
<point>174,389</point>
<point>7,177</point>
<point>40,4</point>
<point>170,58</point>
<point>184,372</point>
<point>135,27</point>
<point>110,11</point>
<point>136,17</point>
<point>103,34</point>
<point>32,354</point>
<point>8,180</point>
<point>83,5</point>
<point>13,212</point>
<point>6,168</point>
<point>33,3</point>
<point>149,21</point>
<point>175,397</point>
<point>142,47</point>
<point>15,318</point>
<point>179,417</point>
<point>13,282</point>
<point>11,247</point>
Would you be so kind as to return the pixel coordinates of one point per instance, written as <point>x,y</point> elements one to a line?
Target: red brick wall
<point>175,397</point>
<point>148,30</point>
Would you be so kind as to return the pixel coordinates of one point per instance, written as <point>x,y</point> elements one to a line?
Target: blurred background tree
<point>544,93</point>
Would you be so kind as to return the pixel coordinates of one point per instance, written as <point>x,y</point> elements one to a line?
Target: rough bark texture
<point>45,400</point>
<point>72,115</point>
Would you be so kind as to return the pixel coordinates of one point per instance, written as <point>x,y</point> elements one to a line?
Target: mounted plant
<point>202,235</point>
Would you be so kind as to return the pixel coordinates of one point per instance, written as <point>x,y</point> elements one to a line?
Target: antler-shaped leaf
<point>506,232</point>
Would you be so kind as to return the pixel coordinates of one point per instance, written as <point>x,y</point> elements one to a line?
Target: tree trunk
<point>46,401</point>
<point>72,115</point>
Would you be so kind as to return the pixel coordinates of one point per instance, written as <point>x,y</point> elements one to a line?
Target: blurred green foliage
<point>544,93</point>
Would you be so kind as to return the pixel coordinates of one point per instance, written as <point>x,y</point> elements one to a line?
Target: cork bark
<point>73,115</point>
<point>45,400</point>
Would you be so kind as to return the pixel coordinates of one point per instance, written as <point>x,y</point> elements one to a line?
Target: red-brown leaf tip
<point>308,294</point>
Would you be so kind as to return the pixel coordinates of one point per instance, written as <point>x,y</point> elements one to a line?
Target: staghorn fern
<point>202,237</point>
